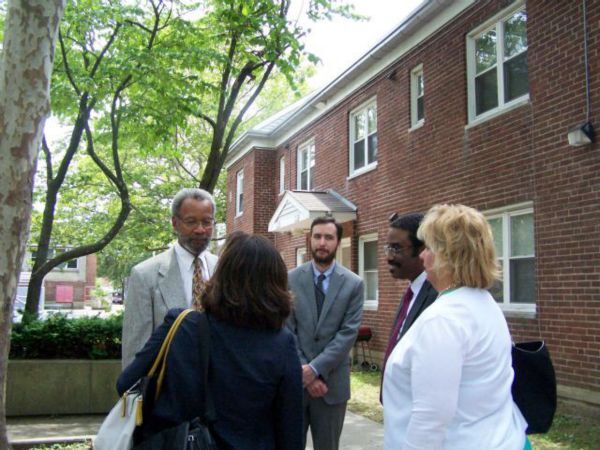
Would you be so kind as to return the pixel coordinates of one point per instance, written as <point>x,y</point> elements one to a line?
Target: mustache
<point>394,263</point>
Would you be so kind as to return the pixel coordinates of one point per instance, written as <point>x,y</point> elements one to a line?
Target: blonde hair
<point>461,239</point>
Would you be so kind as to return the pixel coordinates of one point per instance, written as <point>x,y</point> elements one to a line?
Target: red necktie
<point>408,295</point>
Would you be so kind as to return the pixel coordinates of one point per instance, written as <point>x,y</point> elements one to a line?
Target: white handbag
<point>116,432</point>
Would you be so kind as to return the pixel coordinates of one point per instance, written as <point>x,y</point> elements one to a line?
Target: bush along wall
<point>59,337</point>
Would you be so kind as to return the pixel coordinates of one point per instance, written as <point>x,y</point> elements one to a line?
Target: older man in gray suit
<point>174,278</point>
<point>327,313</point>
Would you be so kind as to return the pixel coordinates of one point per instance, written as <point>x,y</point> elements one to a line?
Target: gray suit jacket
<point>326,343</point>
<point>154,287</point>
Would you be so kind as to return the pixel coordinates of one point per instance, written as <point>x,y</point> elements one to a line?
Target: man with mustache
<point>402,254</point>
<point>328,305</point>
<point>174,278</point>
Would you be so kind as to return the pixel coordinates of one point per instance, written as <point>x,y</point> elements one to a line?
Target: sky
<point>341,42</point>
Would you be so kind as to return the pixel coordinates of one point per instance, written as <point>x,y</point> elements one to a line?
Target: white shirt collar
<point>186,259</point>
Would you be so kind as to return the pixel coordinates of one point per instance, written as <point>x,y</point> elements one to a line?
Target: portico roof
<point>298,209</point>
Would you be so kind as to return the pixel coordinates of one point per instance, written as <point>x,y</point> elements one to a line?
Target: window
<point>367,268</point>
<point>306,164</point>
<point>281,174</point>
<point>515,247</point>
<point>239,193</point>
<point>497,63</point>
<point>417,93</point>
<point>363,138</point>
<point>300,256</point>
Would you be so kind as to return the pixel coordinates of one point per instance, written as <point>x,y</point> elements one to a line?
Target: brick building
<point>474,102</point>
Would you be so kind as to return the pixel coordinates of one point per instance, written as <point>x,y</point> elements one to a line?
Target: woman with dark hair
<point>255,375</point>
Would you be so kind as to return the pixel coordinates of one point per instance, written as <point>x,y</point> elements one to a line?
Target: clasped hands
<point>315,386</point>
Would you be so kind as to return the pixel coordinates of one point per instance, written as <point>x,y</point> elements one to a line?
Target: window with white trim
<point>306,164</point>
<point>281,174</point>
<point>497,63</point>
<point>367,268</point>
<point>300,256</point>
<point>363,138</point>
<point>239,193</point>
<point>417,96</point>
<point>514,239</point>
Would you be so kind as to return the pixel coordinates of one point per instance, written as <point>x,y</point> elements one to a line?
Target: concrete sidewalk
<point>23,432</point>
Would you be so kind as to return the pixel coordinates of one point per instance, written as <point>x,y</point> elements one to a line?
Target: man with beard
<point>174,278</point>
<point>402,254</point>
<point>328,305</point>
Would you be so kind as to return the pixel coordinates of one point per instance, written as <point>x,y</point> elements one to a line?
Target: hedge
<point>59,337</point>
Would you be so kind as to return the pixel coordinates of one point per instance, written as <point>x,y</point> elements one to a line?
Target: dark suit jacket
<point>255,381</point>
<point>426,297</point>
<point>325,342</point>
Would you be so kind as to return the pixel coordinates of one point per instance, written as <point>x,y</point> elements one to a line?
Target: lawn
<point>568,432</point>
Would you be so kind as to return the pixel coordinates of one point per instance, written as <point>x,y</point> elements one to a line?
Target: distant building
<point>474,102</point>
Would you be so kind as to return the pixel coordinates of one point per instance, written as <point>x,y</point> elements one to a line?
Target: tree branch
<point>48,156</point>
<point>68,71</point>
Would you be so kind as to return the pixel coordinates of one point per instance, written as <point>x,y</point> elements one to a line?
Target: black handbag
<point>190,435</point>
<point>534,385</point>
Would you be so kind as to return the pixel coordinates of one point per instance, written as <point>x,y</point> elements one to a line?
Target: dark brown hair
<point>250,286</point>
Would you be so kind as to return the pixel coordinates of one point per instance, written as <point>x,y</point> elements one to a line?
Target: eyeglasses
<point>193,223</point>
<point>396,249</point>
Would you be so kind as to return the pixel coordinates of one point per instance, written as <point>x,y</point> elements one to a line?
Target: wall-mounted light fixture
<point>581,135</point>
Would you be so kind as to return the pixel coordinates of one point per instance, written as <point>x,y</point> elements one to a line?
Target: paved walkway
<point>358,434</point>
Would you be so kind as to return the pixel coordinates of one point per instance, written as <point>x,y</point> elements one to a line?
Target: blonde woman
<point>447,384</point>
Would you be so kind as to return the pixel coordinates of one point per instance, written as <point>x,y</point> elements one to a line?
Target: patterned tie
<point>198,285</point>
<point>408,295</point>
<point>319,294</point>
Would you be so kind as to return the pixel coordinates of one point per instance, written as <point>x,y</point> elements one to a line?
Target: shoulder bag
<point>117,430</point>
<point>534,385</point>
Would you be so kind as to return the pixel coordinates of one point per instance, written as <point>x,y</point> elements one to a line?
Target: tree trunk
<point>25,70</point>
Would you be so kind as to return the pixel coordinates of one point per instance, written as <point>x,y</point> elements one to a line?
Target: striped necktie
<point>198,285</point>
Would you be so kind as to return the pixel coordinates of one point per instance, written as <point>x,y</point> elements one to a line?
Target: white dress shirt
<point>185,260</point>
<point>447,383</point>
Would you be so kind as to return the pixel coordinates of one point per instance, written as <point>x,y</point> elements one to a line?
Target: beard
<point>194,245</point>
<point>320,259</point>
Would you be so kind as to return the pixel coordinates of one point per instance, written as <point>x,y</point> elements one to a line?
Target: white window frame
<point>496,22</point>
<point>281,174</point>
<point>370,304</point>
<point>239,193</point>
<point>506,213</point>
<point>300,256</point>
<point>308,149</point>
<point>355,112</point>
<point>415,121</point>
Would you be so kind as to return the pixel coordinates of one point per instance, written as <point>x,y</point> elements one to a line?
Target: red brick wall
<point>521,155</point>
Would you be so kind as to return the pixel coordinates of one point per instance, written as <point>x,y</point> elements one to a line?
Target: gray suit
<point>326,342</point>
<point>154,287</point>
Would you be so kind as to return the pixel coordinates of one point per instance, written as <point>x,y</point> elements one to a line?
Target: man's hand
<point>317,388</point>
<point>308,375</point>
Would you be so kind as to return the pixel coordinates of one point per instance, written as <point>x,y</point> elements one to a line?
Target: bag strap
<point>209,406</point>
<point>161,359</point>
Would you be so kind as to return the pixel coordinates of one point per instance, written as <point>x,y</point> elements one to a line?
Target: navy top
<point>255,379</point>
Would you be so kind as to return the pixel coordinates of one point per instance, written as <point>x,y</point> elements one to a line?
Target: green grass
<point>568,432</point>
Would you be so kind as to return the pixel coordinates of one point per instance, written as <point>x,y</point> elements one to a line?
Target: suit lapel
<point>335,284</point>
<point>307,288</point>
<point>170,283</point>
<point>426,296</point>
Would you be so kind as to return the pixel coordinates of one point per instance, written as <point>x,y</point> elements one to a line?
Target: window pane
<point>372,119</point>
<point>420,113</point>
<point>516,81</point>
<point>359,154</point>
<point>302,160</point>
<point>522,280</point>
<point>420,85</point>
<point>496,226</point>
<point>371,285</point>
<point>72,264</point>
<point>485,51</point>
<point>372,142</point>
<point>521,232</point>
<point>359,126</point>
<point>515,34</point>
<point>241,202</point>
<point>497,290</point>
<point>486,91</point>
<point>304,181</point>
<point>370,255</point>
<point>311,155</point>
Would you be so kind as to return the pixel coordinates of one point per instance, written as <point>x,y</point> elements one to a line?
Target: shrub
<point>59,337</point>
